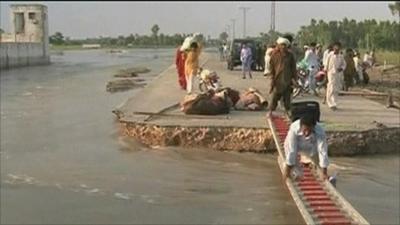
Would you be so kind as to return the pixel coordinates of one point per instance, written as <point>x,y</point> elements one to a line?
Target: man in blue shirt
<point>246,58</point>
<point>307,138</point>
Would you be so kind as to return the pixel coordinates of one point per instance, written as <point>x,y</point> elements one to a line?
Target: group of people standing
<point>342,70</point>
<point>187,62</point>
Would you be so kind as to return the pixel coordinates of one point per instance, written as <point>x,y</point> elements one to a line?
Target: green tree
<point>121,40</point>
<point>223,36</point>
<point>130,39</point>
<point>395,8</point>
<point>57,38</point>
<point>154,30</point>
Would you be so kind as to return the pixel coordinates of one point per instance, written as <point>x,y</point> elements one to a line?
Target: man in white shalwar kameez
<point>334,67</point>
<point>311,58</point>
<point>306,138</point>
<point>267,58</point>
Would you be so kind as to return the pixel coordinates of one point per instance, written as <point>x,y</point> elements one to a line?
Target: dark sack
<point>299,109</point>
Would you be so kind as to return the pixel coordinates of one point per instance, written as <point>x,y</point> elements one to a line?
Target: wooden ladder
<point>317,200</point>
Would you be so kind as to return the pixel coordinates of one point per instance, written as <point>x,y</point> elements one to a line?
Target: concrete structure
<point>91,46</point>
<point>359,126</point>
<point>28,43</point>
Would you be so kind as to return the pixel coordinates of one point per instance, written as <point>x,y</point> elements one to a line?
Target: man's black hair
<point>289,37</point>
<point>308,120</point>
<point>194,45</point>
<point>313,44</point>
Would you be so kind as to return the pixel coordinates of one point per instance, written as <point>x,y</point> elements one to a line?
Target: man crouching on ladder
<point>306,137</point>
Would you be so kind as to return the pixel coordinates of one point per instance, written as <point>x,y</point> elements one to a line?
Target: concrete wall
<point>35,28</point>
<point>22,54</point>
<point>29,44</point>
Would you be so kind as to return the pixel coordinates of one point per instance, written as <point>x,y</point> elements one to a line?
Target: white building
<point>28,43</point>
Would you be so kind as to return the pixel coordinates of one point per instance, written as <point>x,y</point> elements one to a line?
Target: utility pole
<point>272,16</point>
<point>244,19</point>
<point>233,28</point>
<point>228,28</point>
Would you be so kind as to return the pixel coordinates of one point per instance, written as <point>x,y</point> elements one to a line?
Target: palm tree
<point>154,29</point>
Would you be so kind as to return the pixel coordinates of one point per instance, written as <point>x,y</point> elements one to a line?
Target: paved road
<point>355,113</point>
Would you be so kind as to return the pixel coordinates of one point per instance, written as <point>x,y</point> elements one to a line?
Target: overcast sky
<point>92,19</point>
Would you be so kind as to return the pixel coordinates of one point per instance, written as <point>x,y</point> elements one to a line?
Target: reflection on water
<point>62,160</point>
<point>371,184</point>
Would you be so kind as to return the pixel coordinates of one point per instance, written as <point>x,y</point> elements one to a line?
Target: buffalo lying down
<point>209,103</point>
<point>251,100</point>
<point>215,103</point>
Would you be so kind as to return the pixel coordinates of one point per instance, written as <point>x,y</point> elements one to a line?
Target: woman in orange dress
<point>192,65</point>
<point>180,67</point>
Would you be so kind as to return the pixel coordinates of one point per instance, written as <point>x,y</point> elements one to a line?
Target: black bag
<point>299,109</point>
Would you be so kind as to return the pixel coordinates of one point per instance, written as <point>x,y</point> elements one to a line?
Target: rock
<point>121,85</point>
<point>139,69</point>
<point>95,190</point>
<point>139,80</point>
<point>122,196</point>
<point>126,74</point>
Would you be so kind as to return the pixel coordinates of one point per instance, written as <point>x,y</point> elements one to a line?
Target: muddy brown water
<point>63,161</point>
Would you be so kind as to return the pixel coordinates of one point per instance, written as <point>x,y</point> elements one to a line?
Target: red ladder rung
<point>309,183</point>
<point>317,197</point>
<point>319,209</point>
<point>307,178</point>
<point>315,203</point>
<point>323,215</point>
<point>314,192</point>
<point>311,188</point>
<point>343,221</point>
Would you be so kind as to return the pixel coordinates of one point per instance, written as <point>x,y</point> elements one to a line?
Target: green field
<point>65,47</point>
<point>391,57</point>
<point>79,47</point>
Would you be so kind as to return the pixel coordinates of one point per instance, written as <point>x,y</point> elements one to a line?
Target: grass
<point>391,57</point>
<point>65,47</point>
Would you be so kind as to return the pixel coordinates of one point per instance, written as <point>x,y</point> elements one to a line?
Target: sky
<point>94,19</point>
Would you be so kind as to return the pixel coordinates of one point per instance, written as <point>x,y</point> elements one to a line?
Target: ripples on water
<point>63,160</point>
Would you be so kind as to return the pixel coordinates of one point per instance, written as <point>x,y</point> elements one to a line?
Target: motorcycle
<point>302,84</point>
<point>208,80</point>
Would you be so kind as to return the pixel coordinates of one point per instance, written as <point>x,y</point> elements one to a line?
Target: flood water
<point>64,162</point>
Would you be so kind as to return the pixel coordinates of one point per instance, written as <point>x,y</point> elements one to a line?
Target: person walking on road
<point>192,65</point>
<point>180,66</point>
<point>334,68</point>
<point>283,75</point>
<point>311,58</point>
<point>350,72</point>
<point>246,59</point>
<point>267,59</point>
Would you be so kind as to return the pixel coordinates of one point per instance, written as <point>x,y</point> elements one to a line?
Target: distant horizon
<point>112,19</point>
